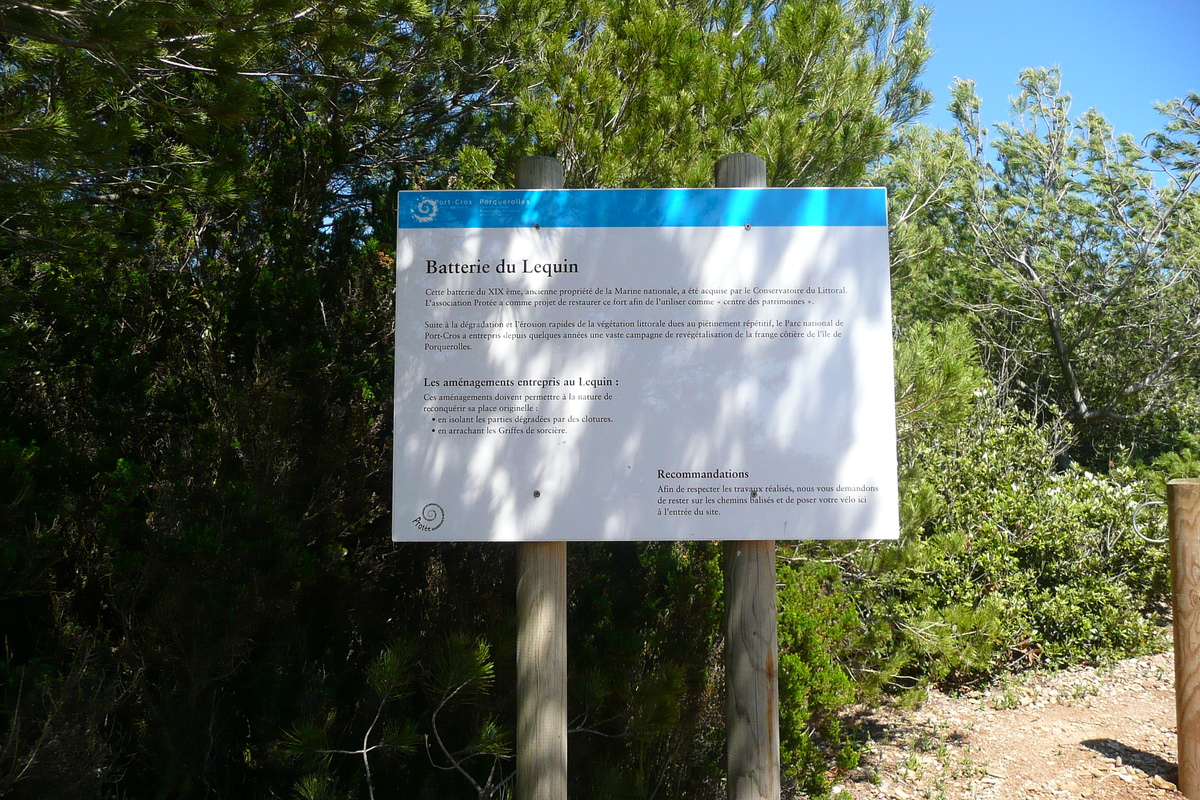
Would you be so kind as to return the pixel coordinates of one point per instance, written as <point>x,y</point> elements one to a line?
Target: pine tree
<point>651,93</point>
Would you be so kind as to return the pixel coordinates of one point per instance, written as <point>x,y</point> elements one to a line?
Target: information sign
<point>644,364</point>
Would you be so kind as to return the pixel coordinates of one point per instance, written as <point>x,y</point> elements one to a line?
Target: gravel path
<point>1104,734</point>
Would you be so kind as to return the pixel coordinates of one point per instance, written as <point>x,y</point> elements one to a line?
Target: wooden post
<point>541,622</point>
<point>542,671</point>
<point>1183,508</point>
<point>751,630</point>
<point>539,172</point>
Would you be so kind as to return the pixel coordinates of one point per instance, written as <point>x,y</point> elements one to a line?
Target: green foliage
<point>645,698</point>
<point>460,673</point>
<point>392,675</point>
<point>818,622</point>
<point>1005,560</point>
<point>317,787</point>
<point>932,280</point>
<point>937,378</point>
<point>650,93</point>
<point>198,595</point>
<point>1183,462</point>
<point>459,668</point>
<point>1073,249</point>
<point>195,374</point>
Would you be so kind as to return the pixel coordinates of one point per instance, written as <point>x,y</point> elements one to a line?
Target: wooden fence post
<point>751,629</point>
<point>1183,509</point>
<point>541,622</point>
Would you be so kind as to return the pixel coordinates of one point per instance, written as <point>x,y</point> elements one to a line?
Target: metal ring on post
<point>1137,529</point>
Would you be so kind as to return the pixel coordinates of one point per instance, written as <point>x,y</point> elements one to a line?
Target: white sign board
<point>644,364</point>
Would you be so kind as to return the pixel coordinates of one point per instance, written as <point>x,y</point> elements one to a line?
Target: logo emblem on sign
<point>432,517</point>
<point>426,210</point>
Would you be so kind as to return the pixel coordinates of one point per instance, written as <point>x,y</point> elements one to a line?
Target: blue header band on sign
<point>644,208</point>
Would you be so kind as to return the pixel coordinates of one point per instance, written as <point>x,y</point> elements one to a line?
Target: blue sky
<point>1118,57</point>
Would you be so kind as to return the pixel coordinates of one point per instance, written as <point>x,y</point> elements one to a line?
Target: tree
<point>195,370</point>
<point>116,114</point>
<point>651,93</point>
<point>196,204</point>
<point>1074,250</point>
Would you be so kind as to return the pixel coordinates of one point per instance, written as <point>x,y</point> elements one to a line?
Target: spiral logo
<point>432,517</point>
<point>426,210</point>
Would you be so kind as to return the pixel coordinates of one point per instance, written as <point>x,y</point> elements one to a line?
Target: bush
<point>1006,560</point>
<point>817,627</point>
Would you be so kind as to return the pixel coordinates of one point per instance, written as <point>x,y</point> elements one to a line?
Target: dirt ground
<point>1104,734</point>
